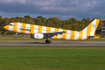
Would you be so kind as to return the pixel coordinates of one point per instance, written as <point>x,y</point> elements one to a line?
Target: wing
<point>50,35</point>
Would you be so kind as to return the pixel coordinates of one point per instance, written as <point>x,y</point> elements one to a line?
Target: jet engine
<point>37,36</point>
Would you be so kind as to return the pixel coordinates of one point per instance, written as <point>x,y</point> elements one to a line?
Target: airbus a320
<point>43,32</point>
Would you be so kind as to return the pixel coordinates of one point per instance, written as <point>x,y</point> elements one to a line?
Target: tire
<point>15,37</point>
<point>48,41</point>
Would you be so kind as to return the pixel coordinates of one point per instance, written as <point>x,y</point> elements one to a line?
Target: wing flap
<point>54,33</point>
<point>50,35</point>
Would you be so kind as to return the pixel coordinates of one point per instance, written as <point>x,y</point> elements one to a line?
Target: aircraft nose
<point>6,27</point>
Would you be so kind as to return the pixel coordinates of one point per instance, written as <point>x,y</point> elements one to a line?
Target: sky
<point>63,9</point>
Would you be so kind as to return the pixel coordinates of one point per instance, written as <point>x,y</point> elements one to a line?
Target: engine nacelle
<point>37,36</point>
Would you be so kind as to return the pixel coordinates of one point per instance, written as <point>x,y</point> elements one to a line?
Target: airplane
<point>43,32</point>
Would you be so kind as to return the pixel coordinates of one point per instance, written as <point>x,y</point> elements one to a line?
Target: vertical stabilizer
<point>91,28</point>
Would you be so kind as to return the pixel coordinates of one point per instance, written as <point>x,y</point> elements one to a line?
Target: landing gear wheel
<point>48,41</point>
<point>15,37</point>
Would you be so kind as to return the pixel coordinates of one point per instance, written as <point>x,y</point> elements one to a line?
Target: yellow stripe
<point>39,29</point>
<point>48,30</point>
<point>89,29</point>
<point>97,22</point>
<point>80,35</point>
<point>64,34</point>
<point>15,25</point>
<point>72,35</point>
<point>56,30</point>
<point>23,28</point>
<point>31,32</point>
<point>96,37</point>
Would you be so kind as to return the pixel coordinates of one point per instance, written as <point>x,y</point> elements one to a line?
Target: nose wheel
<point>15,37</point>
<point>47,41</point>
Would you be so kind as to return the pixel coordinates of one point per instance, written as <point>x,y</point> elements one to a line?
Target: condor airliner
<point>41,32</point>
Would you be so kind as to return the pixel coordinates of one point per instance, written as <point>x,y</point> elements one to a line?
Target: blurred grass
<point>52,58</point>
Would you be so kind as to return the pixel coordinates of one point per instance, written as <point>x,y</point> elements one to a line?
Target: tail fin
<point>91,28</point>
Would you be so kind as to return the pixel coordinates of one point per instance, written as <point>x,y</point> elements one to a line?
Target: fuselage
<point>30,29</point>
<point>40,32</point>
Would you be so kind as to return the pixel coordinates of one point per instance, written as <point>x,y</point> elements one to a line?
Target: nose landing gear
<point>15,36</point>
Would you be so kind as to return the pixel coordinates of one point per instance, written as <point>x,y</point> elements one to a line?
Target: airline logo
<point>68,35</point>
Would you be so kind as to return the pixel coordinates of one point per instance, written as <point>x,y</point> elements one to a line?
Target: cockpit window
<point>11,24</point>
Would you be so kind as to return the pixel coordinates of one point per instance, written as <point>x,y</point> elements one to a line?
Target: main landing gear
<point>48,41</point>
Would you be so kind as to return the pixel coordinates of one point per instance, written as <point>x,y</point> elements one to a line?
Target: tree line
<point>71,24</point>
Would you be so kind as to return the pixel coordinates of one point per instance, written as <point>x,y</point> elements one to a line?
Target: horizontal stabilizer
<point>93,37</point>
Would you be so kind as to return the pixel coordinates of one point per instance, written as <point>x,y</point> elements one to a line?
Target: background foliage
<point>71,24</point>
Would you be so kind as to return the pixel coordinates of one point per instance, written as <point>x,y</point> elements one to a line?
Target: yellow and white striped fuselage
<point>68,35</point>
